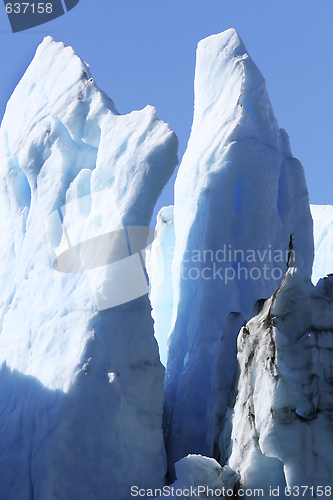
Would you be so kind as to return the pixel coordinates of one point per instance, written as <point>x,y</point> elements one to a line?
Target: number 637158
<point>23,8</point>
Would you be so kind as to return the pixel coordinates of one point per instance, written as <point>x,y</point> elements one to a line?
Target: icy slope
<point>323,238</point>
<point>81,386</point>
<point>282,432</point>
<point>240,190</point>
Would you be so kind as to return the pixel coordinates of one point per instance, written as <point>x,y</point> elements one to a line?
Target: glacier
<point>241,203</point>
<point>159,261</point>
<point>81,382</point>
<point>245,336</point>
<point>279,432</point>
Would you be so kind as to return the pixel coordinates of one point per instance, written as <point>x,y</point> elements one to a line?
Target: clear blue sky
<point>143,52</point>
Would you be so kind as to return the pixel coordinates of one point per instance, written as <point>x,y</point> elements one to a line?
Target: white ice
<point>281,435</point>
<point>323,238</point>
<point>160,278</point>
<point>81,389</point>
<point>238,189</point>
<point>203,477</point>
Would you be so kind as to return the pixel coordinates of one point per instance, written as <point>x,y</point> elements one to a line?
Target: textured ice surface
<point>81,390</point>
<point>199,476</point>
<point>282,432</point>
<point>238,189</point>
<point>323,238</point>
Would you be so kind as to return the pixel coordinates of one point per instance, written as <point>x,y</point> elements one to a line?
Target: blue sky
<point>143,52</point>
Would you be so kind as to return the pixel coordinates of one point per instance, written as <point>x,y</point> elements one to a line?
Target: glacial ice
<point>200,476</point>
<point>81,388</point>
<point>160,278</point>
<point>323,239</point>
<point>81,381</point>
<point>238,189</point>
<point>280,429</point>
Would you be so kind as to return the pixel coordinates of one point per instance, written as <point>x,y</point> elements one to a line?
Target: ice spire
<point>239,194</point>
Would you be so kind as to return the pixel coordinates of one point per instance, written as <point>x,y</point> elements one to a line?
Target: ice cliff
<point>81,382</point>
<point>241,202</point>
<point>281,427</point>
